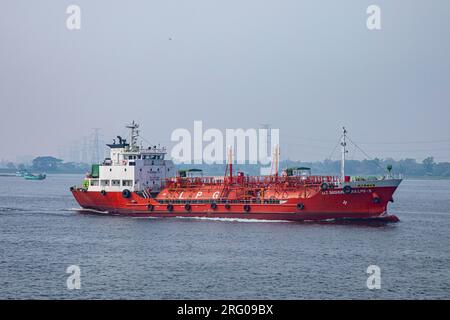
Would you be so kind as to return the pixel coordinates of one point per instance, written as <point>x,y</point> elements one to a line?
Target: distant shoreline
<point>12,174</point>
<point>8,173</point>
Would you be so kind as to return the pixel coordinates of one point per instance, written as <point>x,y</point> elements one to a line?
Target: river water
<point>42,234</point>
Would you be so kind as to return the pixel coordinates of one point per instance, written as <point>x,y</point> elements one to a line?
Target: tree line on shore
<point>407,167</point>
<point>47,164</point>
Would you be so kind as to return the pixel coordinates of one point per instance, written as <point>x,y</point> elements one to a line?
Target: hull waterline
<point>322,207</point>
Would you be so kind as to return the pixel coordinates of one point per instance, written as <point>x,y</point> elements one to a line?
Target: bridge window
<point>115,183</point>
<point>127,183</point>
<point>104,183</point>
<point>94,182</point>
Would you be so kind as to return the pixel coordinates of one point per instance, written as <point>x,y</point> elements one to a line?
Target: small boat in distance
<point>30,176</point>
<point>21,173</point>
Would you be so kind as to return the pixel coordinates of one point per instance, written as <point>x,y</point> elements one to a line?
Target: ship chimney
<point>230,162</point>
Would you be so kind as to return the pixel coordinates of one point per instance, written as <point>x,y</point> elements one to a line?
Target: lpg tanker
<point>141,182</point>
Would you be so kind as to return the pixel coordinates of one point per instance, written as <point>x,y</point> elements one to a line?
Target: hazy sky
<point>306,67</point>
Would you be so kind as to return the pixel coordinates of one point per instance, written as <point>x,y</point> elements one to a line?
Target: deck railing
<point>254,181</point>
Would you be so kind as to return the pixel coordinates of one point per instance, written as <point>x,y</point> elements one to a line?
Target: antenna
<point>275,161</point>
<point>344,151</point>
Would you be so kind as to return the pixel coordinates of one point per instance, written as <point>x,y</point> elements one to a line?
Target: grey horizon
<point>305,67</point>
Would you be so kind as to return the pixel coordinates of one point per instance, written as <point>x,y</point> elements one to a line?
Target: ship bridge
<point>131,167</point>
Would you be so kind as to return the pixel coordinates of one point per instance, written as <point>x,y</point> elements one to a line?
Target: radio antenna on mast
<point>344,151</point>
<point>275,161</point>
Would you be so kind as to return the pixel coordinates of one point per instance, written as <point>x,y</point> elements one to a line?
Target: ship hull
<point>253,216</point>
<point>327,205</point>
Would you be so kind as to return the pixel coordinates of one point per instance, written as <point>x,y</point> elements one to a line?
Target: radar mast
<point>134,134</point>
<point>344,151</point>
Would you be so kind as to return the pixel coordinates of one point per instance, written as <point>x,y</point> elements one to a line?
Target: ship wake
<point>233,219</point>
<point>88,210</point>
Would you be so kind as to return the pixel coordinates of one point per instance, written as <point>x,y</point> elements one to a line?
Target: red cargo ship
<point>140,182</point>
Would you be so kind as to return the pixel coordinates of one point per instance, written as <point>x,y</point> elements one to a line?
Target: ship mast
<point>344,151</point>
<point>275,161</point>
<point>134,135</point>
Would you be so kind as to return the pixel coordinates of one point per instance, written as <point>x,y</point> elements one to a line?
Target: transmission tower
<point>95,145</point>
<point>84,150</point>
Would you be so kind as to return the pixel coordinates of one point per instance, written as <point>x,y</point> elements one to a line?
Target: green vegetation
<point>47,164</point>
<point>407,167</point>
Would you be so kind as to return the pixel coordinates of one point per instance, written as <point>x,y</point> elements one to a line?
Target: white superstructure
<point>131,167</point>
